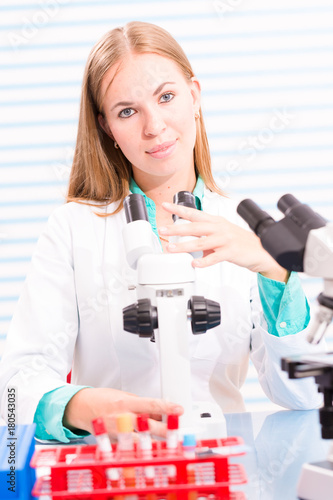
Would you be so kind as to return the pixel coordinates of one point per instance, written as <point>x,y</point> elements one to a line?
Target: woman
<point>141,130</point>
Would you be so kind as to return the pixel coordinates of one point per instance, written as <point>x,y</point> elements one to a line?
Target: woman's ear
<point>196,93</point>
<point>105,126</point>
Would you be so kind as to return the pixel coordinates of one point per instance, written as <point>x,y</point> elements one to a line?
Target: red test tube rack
<point>82,472</point>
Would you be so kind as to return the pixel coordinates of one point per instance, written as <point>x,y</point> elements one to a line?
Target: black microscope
<point>302,241</point>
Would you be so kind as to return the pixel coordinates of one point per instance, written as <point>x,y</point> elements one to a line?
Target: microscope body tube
<point>138,236</point>
<point>168,280</point>
<point>318,255</point>
<point>285,239</point>
<point>138,240</point>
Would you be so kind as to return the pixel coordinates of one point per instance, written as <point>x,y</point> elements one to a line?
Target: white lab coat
<point>69,316</point>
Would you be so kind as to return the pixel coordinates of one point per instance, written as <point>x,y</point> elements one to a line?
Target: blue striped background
<point>254,60</point>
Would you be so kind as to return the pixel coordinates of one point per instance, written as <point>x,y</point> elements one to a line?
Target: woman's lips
<point>162,150</point>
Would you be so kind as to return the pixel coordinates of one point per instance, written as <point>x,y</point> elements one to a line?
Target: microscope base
<point>207,421</point>
<point>316,481</point>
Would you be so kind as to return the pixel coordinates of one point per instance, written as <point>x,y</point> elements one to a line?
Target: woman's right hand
<point>90,403</point>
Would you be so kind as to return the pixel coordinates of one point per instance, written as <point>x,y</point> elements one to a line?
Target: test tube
<point>172,442</point>
<point>104,445</point>
<point>189,444</point>
<point>146,448</point>
<point>126,449</point>
<point>172,436</point>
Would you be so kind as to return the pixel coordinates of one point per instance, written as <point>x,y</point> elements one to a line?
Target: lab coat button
<point>283,324</point>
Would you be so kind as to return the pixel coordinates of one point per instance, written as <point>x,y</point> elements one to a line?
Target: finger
<point>191,214</point>
<point>210,259</point>
<point>153,406</point>
<point>156,417</point>
<point>193,229</point>
<point>111,425</point>
<point>157,429</point>
<point>205,244</point>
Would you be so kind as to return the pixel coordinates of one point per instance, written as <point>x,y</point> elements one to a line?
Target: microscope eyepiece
<point>135,208</point>
<point>300,213</point>
<point>286,202</point>
<point>185,198</point>
<point>256,218</point>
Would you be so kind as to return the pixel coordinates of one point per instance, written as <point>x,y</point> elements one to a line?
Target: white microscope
<point>303,241</point>
<point>166,301</point>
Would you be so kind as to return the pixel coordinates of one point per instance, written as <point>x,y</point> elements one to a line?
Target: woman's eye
<point>125,113</point>
<point>168,96</point>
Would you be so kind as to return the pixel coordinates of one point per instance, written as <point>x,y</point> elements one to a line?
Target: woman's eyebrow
<point>160,87</point>
<point>127,103</point>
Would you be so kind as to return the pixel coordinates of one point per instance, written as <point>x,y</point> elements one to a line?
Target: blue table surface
<point>278,443</point>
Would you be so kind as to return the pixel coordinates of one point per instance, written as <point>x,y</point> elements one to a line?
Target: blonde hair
<point>100,172</point>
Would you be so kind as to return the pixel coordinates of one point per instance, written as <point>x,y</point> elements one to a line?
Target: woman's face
<point>150,112</point>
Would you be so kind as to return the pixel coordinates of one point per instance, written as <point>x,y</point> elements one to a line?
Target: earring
<point>116,145</point>
<point>197,115</point>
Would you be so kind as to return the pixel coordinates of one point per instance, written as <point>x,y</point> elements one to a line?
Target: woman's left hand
<point>220,240</point>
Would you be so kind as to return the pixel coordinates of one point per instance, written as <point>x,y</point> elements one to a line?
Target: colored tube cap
<point>142,422</point>
<point>99,426</point>
<point>172,422</point>
<point>124,422</point>
<point>189,440</point>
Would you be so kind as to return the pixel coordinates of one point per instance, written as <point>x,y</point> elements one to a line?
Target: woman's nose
<point>154,123</point>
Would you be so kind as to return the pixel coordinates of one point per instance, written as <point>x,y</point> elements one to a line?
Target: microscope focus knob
<point>205,313</point>
<point>326,420</point>
<point>140,318</point>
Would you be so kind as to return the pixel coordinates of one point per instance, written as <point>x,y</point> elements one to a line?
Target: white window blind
<point>266,71</point>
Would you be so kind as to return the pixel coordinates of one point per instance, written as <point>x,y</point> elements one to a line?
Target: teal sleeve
<point>50,411</point>
<point>285,305</point>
